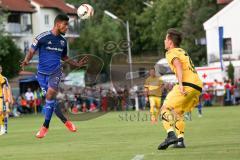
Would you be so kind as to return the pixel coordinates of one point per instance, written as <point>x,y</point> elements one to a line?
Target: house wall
<point>228,19</point>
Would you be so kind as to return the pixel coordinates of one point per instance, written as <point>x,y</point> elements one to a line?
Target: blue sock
<point>59,113</point>
<point>6,124</point>
<point>49,108</point>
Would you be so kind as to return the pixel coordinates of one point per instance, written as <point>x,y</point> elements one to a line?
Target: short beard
<point>63,34</point>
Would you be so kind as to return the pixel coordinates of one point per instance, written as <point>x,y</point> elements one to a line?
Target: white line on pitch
<point>138,157</point>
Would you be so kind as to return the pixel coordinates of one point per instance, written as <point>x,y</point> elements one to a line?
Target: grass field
<point>116,137</point>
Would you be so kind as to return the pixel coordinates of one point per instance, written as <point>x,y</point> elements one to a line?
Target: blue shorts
<point>45,81</point>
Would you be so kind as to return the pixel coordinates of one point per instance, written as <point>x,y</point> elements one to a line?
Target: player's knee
<point>167,115</point>
<point>51,94</point>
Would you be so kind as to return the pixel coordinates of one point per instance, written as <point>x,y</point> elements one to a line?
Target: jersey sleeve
<point>2,81</point>
<point>36,43</point>
<point>171,56</point>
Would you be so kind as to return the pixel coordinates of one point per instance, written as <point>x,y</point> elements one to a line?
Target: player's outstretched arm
<point>80,63</point>
<point>27,58</point>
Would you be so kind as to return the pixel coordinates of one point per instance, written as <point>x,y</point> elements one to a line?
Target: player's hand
<point>182,91</point>
<point>23,64</point>
<point>83,61</point>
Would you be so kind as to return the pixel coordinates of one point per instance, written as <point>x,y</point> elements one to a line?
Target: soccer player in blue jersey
<point>52,48</point>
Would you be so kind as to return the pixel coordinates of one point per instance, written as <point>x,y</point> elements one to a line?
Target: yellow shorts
<point>2,107</point>
<point>175,100</point>
<point>155,103</point>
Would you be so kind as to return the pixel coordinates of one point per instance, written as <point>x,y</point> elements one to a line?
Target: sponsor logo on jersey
<point>54,49</point>
<point>35,41</point>
<point>62,42</point>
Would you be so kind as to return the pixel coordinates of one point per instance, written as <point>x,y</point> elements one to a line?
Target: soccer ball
<point>85,11</point>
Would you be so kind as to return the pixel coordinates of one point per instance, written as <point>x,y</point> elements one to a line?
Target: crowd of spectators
<point>88,99</point>
<point>221,93</point>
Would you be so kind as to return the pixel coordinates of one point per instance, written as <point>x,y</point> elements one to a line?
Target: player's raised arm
<point>80,63</point>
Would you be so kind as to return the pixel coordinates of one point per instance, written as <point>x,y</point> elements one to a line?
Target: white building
<point>47,10</point>
<point>29,18</point>
<point>228,18</point>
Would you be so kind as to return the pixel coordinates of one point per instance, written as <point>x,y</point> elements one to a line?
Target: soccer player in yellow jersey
<point>153,90</point>
<point>5,100</point>
<point>184,95</point>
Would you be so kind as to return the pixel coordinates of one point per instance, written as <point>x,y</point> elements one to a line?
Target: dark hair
<point>175,36</point>
<point>60,18</point>
<point>152,68</point>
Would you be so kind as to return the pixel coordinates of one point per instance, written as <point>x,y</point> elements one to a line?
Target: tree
<point>148,25</point>
<point>230,71</point>
<point>196,14</point>
<point>154,22</point>
<point>94,37</point>
<point>10,54</point>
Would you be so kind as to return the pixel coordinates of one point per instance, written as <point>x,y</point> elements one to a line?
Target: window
<point>25,19</point>
<point>227,46</point>
<point>46,19</point>
<point>14,18</point>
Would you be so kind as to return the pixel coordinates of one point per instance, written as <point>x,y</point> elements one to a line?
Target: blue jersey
<point>51,49</point>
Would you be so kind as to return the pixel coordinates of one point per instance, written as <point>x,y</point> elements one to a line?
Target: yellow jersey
<point>154,84</point>
<point>5,89</point>
<point>2,82</point>
<point>189,73</point>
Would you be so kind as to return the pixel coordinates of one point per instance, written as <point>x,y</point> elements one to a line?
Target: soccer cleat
<point>2,133</point>
<point>179,144</point>
<point>2,130</point>
<point>70,126</point>
<point>42,132</point>
<point>167,142</point>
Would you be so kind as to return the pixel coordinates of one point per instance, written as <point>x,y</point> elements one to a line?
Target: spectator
<point>220,93</point>
<point>214,90</point>
<point>126,99</point>
<point>30,98</point>
<point>227,99</point>
<point>207,99</point>
<point>141,99</point>
<point>237,91</point>
<point>104,100</point>
<point>24,105</point>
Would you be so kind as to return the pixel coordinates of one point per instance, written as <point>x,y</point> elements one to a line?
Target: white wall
<point>228,17</point>
<point>39,25</point>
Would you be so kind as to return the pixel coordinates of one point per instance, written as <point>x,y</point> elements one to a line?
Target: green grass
<point>214,136</point>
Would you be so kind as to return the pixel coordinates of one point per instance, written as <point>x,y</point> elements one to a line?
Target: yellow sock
<point>158,113</point>
<point>1,119</point>
<point>180,126</point>
<point>168,120</point>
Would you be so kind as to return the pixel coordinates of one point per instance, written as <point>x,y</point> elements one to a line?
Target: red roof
<point>57,4</point>
<point>17,5</point>
<point>223,1</point>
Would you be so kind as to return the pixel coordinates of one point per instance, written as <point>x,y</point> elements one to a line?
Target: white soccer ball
<point>85,11</point>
